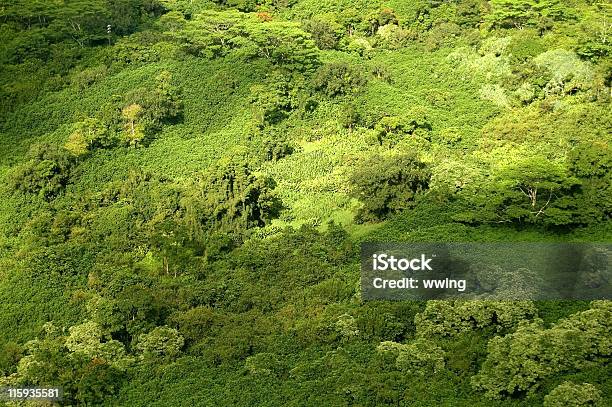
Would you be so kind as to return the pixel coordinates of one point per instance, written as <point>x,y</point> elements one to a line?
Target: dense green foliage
<point>389,185</point>
<point>185,185</point>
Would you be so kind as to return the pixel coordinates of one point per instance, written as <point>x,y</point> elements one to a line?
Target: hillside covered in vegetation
<point>185,185</point>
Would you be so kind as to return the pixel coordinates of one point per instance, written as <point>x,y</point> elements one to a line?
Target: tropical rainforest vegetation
<point>185,185</point>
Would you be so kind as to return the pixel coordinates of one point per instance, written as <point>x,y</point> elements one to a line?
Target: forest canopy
<point>186,185</point>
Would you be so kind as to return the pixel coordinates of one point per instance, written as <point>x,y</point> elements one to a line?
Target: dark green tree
<point>229,196</point>
<point>46,172</point>
<point>339,79</point>
<point>524,13</point>
<point>387,185</point>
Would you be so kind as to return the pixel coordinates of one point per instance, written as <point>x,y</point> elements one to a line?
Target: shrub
<point>346,326</point>
<point>263,363</point>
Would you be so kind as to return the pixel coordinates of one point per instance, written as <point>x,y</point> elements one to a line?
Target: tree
<point>10,354</point>
<point>173,21</point>
<point>138,309</point>
<point>46,171</point>
<point>284,44</point>
<point>82,21</point>
<point>274,145</point>
<point>164,103</point>
<point>518,362</point>
<point>195,323</point>
<point>469,13</point>
<point>419,358</point>
<point>133,129</point>
<point>325,32</point>
<point>88,340</point>
<point>448,318</point>
<point>391,129</point>
<point>522,13</point>
<point>539,181</point>
<point>208,34</point>
<point>272,102</point>
<point>230,197</point>
<point>339,79</point>
<point>171,242</point>
<point>88,365</point>
<point>388,185</point>
<point>88,135</point>
<point>591,162</point>
<point>161,343</point>
<point>126,16</point>
<point>594,37</point>
<point>569,394</point>
<point>528,189</point>
<point>219,33</point>
<point>149,109</point>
